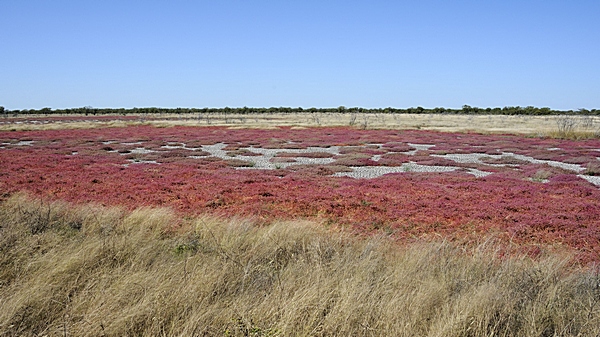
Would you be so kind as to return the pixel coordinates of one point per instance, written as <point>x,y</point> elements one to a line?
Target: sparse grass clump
<point>575,127</point>
<point>592,169</point>
<point>94,271</point>
<point>541,175</point>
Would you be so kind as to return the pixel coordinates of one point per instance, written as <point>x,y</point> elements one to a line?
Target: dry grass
<point>93,271</point>
<point>576,127</point>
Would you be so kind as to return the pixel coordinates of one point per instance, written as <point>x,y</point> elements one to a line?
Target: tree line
<point>466,109</point>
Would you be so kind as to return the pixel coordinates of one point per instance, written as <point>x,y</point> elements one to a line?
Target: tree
<point>583,111</point>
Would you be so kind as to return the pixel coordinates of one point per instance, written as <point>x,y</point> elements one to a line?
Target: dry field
<point>95,271</point>
<point>530,125</point>
<point>302,225</point>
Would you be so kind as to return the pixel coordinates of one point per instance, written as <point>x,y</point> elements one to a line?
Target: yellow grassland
<point>92,271</point>
<point>575,127</point>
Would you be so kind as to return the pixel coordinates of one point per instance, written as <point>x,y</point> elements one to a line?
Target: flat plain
<point>409,183</point>
<point>518,124</point>
<point>498,218</point>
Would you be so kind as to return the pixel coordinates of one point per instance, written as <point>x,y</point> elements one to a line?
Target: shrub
<point>592,169</point>
<point>541,175</point>
<point>242,152</point>
<point>306,154</point>
<point>239,163</point>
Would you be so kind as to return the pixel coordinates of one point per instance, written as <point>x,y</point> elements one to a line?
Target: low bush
<point>306,154</point>
<point>592,169</point>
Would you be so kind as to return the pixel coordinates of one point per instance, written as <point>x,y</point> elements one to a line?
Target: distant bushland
<point>466,109</point>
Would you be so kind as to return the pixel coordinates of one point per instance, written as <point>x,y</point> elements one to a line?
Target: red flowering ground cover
<point>523,200</point>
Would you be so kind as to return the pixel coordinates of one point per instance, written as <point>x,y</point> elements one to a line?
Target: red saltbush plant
<point>397,147</point>
<point>239,163</point>
<point>195,143</point>
<point>433,161</point>
<point>305,154</point>
<point>457,205</point>
<point>370,150</point>
<point>394,159</point>
<point>355,159</point>
<point>242,152</point>
<point>303,171</point>
<point>282,160</point>
<point>179,152</point>
<point>579,160</point>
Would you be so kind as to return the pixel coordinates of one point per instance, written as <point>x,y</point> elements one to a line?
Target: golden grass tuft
<point>93,271</point>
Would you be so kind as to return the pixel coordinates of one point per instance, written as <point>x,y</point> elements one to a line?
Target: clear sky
<point>485,53</point>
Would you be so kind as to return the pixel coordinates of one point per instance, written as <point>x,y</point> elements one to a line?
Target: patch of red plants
<point>305,155</point>
<point>81,166</point>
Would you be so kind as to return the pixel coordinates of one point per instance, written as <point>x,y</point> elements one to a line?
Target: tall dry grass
<point>93,271</point>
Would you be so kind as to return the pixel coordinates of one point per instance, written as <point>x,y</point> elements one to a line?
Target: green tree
<point>583,111</point>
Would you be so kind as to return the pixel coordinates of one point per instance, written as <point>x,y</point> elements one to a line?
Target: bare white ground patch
<point>478,173</point>
<point>418,147</point>
<point>470,158</point>
<point>140,161</point>
<point>265,164</point>
<point>216,150</point>
<point>566,166</point>
<point>24,143</point>
<point>370,172</point>
<point>592,179</point>
<point>19,143</point>
<point>335,150</point>
<point>475,158</point>
<point>141,150</point>
<point>263,161</point>
<point>180,146</point>
<point>423,147</point>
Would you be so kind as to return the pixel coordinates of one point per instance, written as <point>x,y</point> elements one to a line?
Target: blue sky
<point>485,53</point>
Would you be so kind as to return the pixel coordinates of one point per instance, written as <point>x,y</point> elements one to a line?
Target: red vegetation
<point>355,159</point>
<point>397,147</point>
<point>242,152</point>
<point>395,159</point>
<point>370,150</point>
<point>81,166</point>
<point>305,155</point>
